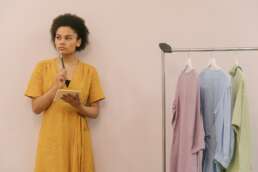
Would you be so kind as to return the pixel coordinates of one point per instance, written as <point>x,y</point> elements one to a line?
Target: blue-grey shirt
<point>216,109</point>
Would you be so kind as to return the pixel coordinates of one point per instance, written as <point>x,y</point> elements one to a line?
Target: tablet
<point>61,92</point>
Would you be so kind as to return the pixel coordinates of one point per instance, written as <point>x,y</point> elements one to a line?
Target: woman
<point>64,139</point>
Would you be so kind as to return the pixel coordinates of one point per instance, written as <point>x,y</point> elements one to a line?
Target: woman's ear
<point>79,41</point>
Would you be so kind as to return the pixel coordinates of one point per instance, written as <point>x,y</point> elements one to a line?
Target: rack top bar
<point>166,48</point>
<point>215,49</point>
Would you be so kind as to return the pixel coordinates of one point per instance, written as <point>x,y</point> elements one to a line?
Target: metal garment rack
<point>166,48</point>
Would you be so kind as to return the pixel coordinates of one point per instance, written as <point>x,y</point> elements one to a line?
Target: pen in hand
<point>67,82</point>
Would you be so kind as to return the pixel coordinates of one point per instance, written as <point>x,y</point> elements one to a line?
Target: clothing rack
<point>166,48</point>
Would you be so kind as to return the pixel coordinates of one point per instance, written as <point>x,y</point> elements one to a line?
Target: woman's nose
<point>61,41</point>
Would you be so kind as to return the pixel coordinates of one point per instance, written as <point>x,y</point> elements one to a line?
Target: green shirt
<point>241,161</point>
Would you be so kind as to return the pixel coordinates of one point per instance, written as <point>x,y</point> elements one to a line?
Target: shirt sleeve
<point>198,136</point>
<point>237,109</point>
<point>198,143</point>
<point>224,130</point>
<point>95,92</point>
<point>175,105</point>
<point>35,85</point>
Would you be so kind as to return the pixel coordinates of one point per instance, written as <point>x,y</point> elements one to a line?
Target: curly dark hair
<point>76,23</point>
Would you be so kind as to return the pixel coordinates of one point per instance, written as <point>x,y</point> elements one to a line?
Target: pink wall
<point>124,37</point>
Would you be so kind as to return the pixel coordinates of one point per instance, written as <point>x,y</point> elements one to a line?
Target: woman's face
<point>66,40</point>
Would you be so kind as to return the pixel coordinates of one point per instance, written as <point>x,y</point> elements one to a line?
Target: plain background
<point>127,136</point>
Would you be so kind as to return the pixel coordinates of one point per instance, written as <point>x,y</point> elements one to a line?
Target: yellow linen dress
<point>64,140</point>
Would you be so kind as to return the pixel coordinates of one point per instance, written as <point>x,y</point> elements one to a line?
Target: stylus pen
<point>62,60</point>
<point>67,82</point>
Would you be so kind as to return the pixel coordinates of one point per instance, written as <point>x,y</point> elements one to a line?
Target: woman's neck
<point>70,59</point>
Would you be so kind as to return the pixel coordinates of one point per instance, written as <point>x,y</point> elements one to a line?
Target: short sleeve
<point>35,85</point>
<point>175,105</point>
<point>237,109</point>
<point>198,130</point>
<point>174,111</point>
<point>95,92</point>
<point>224,131</point>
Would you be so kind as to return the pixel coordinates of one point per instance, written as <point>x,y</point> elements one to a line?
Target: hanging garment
<point>241,161</point>
<point>215,89</point>
<point>188,132</point>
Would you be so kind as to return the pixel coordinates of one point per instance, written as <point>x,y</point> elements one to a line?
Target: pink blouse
<point>187,123</point>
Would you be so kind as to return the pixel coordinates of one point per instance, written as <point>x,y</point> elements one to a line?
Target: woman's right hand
<point>41,103</point>
<point>60,79</point>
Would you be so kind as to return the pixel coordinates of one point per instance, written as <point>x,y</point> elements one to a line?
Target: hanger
<point>188,65</point>
<point>237,65</point>
<point>212,63</point>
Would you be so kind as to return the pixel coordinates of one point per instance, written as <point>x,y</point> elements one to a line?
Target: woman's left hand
<point>73,100</point>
